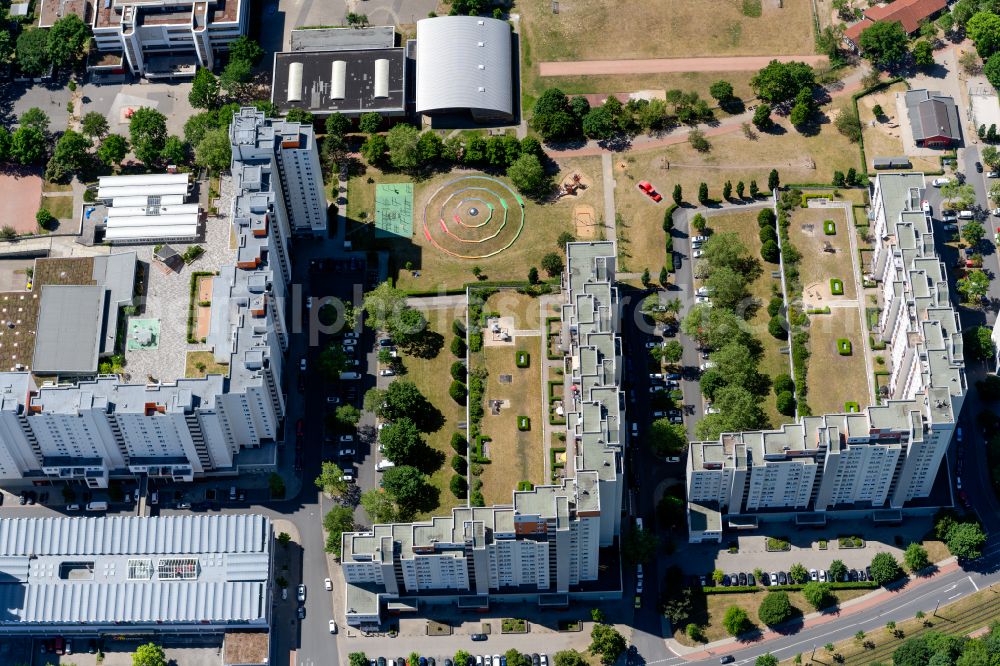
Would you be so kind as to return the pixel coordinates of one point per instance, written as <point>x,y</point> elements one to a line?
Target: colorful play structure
<point>462,218</point>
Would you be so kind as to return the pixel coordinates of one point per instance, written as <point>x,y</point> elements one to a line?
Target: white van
<point>965,215</point>
<point>97,506</point>
<point>384,465</point>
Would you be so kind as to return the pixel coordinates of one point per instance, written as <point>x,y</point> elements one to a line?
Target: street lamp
<point>936,607</point>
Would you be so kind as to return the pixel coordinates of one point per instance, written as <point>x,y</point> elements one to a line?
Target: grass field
<point>709,609</point>
<point>961,618</point>
<point>523,308</point>
<point>733,157</point>
<point>882,140</point>
<point>515,455</point>
<point>818,267</point>
<point>826,397</point>
<point>432,377</point>
<point>744,225</point>
<point>438,270</point>
<point>60,207</point>
<point>595,30</point>
<point>639,227</point>
<point>207,358</point>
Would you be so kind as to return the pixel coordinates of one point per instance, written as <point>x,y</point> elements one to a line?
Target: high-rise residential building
<point>883,458</point>
<point>161,38</point>
<point>546,544</point>
<point>65,415</point>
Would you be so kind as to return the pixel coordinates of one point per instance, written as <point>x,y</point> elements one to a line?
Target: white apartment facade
<point>884,457</point>
<point>544,547</point>
<point>95,428</point>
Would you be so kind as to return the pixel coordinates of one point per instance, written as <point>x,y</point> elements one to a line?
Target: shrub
<point>460,487</point>
<point>736,621</point>
<point>523,423</point>
<point>775,608</point>
<point>829,227</point>
<point>775,544</point>
<point>776,327</point>
<point>523,359</point>
<point>458,347</point>
<point>768,234</point>
<point>459,443</point>
<point>786,403</point>
<point>459,464</point>
<point>836,287</point>
<point>843,346</point>
<point>783,383</point>
<point>458,328</point>
<point>852,407</point>
<point>765,218</point>
<point>44,218</point>
<point>458,370</point>
<point>694,632</point>
<point>818,594</point>
<point>885,568</point>
<point>458,392</point>
<point>774,306</point>
<point>770,252</point>
<point>476,341</point>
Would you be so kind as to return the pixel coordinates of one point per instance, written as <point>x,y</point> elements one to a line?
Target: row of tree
<point>35,50</point>
<point>207,88</point>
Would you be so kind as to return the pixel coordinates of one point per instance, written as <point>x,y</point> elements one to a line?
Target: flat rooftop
<point>68,335</point>
<point>343,39</point>
<point>109,13</point>
<point>50,11</point>
<point>349,82</point>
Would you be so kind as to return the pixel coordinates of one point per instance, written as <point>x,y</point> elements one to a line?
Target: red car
<point>650,191</point>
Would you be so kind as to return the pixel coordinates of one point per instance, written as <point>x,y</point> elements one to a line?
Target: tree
<point>552,116</point>
<point>374,149</point>
<point>923,54</point>
<point>528,175</point>
<point>32,51</point>
<point>885,568</point>
<point>461,657</point>
<point>348,415</point>
<point>818,594</point>
<point>402,141</point>
<point>703,194</point>
<point>913,652</point>
<point>533,275</point>
<point>672,351</point>
<point>515,658</point>
<point>978,345</point>
<point>915,557</point>
<point>407,486</point>
<point>404,400</point>
<point>599,123</point>
<point>727,190</point>
<point>36,118</point>
<point>984,29</point>
<point>94,125</point>
<point>645,279</point>
<point>68,40</point>
<point>564,238</point>
<point>762,117</point>
<point>973,232</point>
<point>739,410</point>
<point>766,659</point>
<point>736,621</point>
<point>338,520</point>
<point>27,145</point>
<point>552,263</point>
<point>848,124</point>
<point>401,441</point>
<point>6,46</point>
<point>244,48</point>
<point>775,608</point>
<point>728,287</point>
<point>837,570</point>
<point>337,124</point>
<point>45,219</point>
<point>383,305</point>
<point>722,91</point>
<point>780,82</point>
<point>698,141</point>
<point>429,148</point>
<point>459,486</point>
<point>607,642</point>
<point>235,74</point>
<point>786,403</point>
<point>330,479</point>
<point>991,156</point>
<point>205,89</point>
<point>959,195</point>
<point>884,43</point>
<point>149,654</point>
<point>992,70</point>
<point>966,540</point>
<point>975,286</point>
<point>379,506</point>
<point>773,181</point>
<point>213,151</point>
<point>754,190</point>
<point>569,658</point>
<point>799,573</point>
<point>639,546</point>
<point>678,195</point>
<point>175,152</point>
<point>800,115</point>
<point>148,134</point>
<point>70,155</point>
<point>112,150</point>
<point>357,659</point>
<point>666,438</point>
<point>370,122</point>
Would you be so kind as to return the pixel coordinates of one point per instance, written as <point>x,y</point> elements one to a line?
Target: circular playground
<point>473,217</point>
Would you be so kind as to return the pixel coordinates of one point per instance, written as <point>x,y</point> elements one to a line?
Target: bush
<point>836,287</point>
<point>459,443</point>
<point>777,327</point>
<point>829,227</point>
<point>770,252</point>
<point>775,608</point>
<point>458,371</point>
<point>818,594</point>
<point>694,632</point>
<point>852,407</point>
<point>775,544</point>
<point>786,403</point>
<point>736,621</point>
<point>476,341</point>
<point>523,423</point>
<point>766,218</point>
<point>44,218</point>
<point>775,305</point>
<point>523,359</point>
<point>460,487</point>
<point>459,464</point>
<point>768,234</point>
<point>885,568</point>
<point>843,346</point>
<point>458,392</point>
<point>783,383</point>
<point>458,347</point>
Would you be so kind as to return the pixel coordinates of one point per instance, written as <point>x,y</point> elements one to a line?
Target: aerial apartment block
<point>108,576</point>
<point>155,38</point>
<point>64,415</point>
<point>880,459</point>
<point>545,546</point>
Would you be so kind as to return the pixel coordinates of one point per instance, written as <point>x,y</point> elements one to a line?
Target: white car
<point>351,336</point>
<point>302,364</point>
<point>348,476</point>
<point>638,586</point>
<point>387,372</point>
<point>699,239</point>
<point>707,365</point>
<point>938,182</point>
<point>710,410</point>
<point>993,174</point>
<point>673,459</point>
<point>702,299</point>
<point>332,400</point>
<point>702,291</point>
<point>822,575</point>
<point>659,415</point>
<point>697,253</point>
<point>284,593</point>
<point>328,584</point>
<point>813,575</point>
<point>925,206</point>
<point>652,345</point>
<point>345,453</point>
<point>301,596</point>
<point>545,660</point>
<point>346,438</point>
<point>656,375</point>
<point>333,627</point>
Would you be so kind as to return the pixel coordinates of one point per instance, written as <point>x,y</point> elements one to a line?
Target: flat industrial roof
<point>68,335</point>
<point>325,82</point>
<point>347,39</point>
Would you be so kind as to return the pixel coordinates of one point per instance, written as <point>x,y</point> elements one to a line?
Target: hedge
<point>552,456</point>
<point>553,383</point>
<point>823,310</point>
<point>523,359</point>
<point>843,346</point>
<point>806,196</point>
<point>523,423</point>
<point>836,286</point>
<point>548,339</point>
<point>732,589</point>
<point>851,407</point>
<point>829,227</point>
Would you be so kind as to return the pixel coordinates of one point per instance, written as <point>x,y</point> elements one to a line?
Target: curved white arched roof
<point>464,62</point>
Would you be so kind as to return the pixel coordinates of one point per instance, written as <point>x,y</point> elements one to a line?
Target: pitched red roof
<point>907,12</point>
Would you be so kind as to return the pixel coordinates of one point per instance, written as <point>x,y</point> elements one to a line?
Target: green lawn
<point>60,207</point>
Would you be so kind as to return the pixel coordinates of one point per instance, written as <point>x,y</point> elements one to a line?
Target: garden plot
<point>826,331</point>
<point>826,257</point>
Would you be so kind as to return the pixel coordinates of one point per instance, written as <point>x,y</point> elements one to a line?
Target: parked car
<point>979,167</point>
<point>726,581</point>
<point>347,453</point>
<point>854,575</point>
<point>478,637</point>
<point>742,578</point>
<point>328,584</point>
<point>673,459</point>
<point>751,580</point>
<point>697,253</point>
<point>385,343</point>
<point>387,372</point>
<point>301,593</point>
<point>650,191</point>
<point>822,575</point>
<point>72,507</point>
<point>782,578</point>
<point>938,182</point>
<point>333,627</point>
<point>765,578</point>
<point>301,612</point>
<point>702,299</point>
<point>727,659</point>
<point>332,400</point>
<point>813,575</point>
<point>925,206</point>
<point>346,438</point>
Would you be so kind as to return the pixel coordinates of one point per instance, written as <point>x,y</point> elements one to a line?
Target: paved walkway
<point>850,85</point>
<point>665,65</point>
<point>607,169</point>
